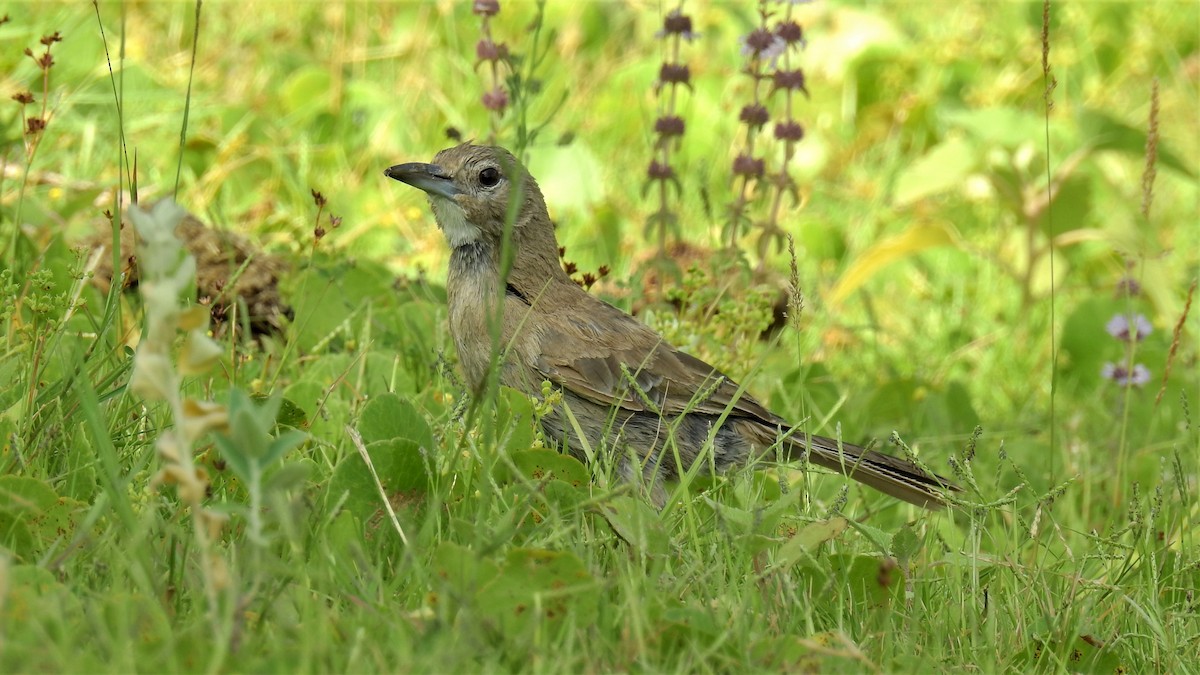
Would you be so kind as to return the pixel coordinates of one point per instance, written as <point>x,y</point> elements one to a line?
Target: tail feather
<point>890,475</point>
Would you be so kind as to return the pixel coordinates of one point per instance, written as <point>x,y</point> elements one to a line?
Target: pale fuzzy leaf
<point>199,353</point>
<point>152,377</point>
<point>200,417</point>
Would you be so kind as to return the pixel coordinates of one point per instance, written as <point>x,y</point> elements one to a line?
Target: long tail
<point>892,476</point>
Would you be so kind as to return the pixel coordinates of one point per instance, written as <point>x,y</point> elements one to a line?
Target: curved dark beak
<point>431,178</point>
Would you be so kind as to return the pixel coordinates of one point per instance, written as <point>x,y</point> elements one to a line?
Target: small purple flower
<point>677,23</point>
<point>1128,287</point>
<point>660,171</point>
<point>486,7</point>
<point>789,131</point>
<point>763,44</point>
<point>674,73</point>
<point>487,51</point>
<point>1133,328</point>
<point>1124,377</point>
<point>496,99</point>
<point>745,165</point>
<point>669,126</point>
<point>790,32</point>
<point>754,115</point>
<point>789,80</point>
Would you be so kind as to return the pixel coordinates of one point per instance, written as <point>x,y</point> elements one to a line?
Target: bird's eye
<point>489,177</point>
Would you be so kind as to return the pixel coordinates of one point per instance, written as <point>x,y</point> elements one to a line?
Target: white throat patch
<point>453,221</point>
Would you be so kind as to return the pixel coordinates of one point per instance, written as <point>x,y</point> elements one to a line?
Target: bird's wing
<point>604,357</point>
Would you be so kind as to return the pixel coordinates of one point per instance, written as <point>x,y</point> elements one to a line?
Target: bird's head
<point>470,188</point>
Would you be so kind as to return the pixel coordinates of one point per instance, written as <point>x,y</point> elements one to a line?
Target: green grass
<point>1075,548</point>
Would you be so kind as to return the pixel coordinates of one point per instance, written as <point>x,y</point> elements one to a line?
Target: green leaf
<point>33,516</point>
<point>539,588</point>
<point>943,168</point>
<point>1105,132</point>
<point>544,464</point>
<point>514,417</point>
<point>463,569</point>
<point>638,524</point>
<point>391,417</point>
<point>905,545</point>
<point>999,125</point>
<point>402,472</point>
<point>868,580</point>
<point>248,446</point>
<point>802,544</point>
<point>306,91</point>
<point>571,176</point>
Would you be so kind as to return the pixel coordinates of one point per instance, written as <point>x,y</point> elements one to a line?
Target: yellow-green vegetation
<point>995,268</point>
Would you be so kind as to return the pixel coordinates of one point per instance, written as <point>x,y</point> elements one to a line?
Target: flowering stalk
<point>168,272</point>
<point>669,127</point>
<point>36,125</point>
<point>770,49</point>
<point>492,53</point>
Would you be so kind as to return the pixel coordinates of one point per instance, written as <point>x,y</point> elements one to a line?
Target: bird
<point>629,400</point>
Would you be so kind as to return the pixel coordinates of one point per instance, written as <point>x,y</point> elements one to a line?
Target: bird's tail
<point>890,475</point>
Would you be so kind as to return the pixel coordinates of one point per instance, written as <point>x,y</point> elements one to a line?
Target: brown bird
<point>627,395</point>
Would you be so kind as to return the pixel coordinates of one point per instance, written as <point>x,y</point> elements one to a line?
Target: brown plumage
<point>628,396</point>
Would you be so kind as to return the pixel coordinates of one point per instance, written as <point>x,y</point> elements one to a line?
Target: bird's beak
<point>431,178</point>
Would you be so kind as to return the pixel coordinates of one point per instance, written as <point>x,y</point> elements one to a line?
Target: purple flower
<point>789,80</point>
<point>1128,287</point>
<point>486,7</point>
<point>660,171</point>
<point>677,23</point>
<point>791,32</point>
<point>745,165</point>
<point>496,99</point>
<point>754,115</point>
<point>669,126</point>
<point>789,131</point>
<point>1124,377</point>
<point>674,73</point>
<point>1128,328</point>
<point>486,50</point>
<point>763,44</point>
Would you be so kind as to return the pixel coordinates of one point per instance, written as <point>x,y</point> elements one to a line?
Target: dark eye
<point>489,177</point>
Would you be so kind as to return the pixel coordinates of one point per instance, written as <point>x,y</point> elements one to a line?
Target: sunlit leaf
<point>917,238</point>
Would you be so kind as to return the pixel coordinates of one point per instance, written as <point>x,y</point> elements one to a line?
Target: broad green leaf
<point>868,580</point>
<point>33,516</point>
<point>463,569</point>
<point>801,545</point>
<point>402,472</point>
<point>514,418</point>
<point>943,168</point>
<point>391,416</point>
<point>1105,132</point>
<point>905,544</point>
<point>544,464</point>
<point>536,587</point>
<point>638,524</point>
<point>571,176</point>
<point>306,91</point>
<point>999,125</point>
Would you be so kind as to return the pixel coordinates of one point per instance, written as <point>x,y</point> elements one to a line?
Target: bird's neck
<point>476,267</point>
